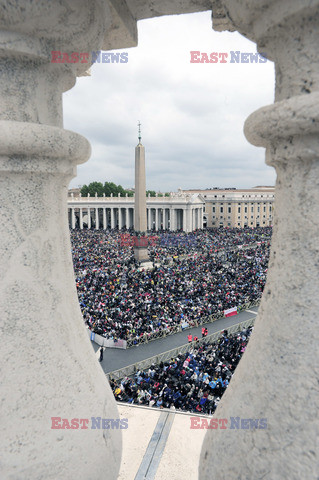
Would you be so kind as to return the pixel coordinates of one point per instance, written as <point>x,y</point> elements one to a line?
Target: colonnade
<point>187,218</point>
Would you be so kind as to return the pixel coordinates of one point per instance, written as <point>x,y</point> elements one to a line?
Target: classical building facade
<point>232,207</point>
<point>177,212</point>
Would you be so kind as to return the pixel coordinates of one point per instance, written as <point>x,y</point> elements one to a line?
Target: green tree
<point>108,188</point>
<point>84,191</point>
<point>121,190</point>
<point>96,187</point>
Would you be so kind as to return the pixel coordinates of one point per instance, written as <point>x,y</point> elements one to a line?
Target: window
<point>221,209</point>
<point>245,210</point>
<point>270,208</point>
<point>251,216</point>
<point>258,209</point>
<point>252,209</point>
<point>238,209</point>
<point>213,209</point>
<point>264,209</point>
<point>229,209</point>
<point>238,224</point>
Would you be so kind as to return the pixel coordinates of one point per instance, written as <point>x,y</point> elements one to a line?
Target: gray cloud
<point>192,114</point>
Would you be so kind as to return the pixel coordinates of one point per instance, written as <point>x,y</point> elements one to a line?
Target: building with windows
<point>232,207</point>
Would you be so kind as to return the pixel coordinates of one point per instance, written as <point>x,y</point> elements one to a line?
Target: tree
<point>96,187</point>
<point>84,191</point>
<point>110,187</point>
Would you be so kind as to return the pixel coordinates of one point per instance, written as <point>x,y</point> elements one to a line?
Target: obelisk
<point>140,221</point>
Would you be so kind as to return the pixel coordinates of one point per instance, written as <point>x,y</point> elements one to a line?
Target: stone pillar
<point>184,220</point>
<point>48,367</point>
<point>173,219</point>
<point>156,218</point>
<point>277,379</point>
<point>89,217</point>
<point>148,219</point>
<point>112,217</point>
<point>126,217</point>
<point>104,219</point>
<point>164,218</point>
<point>72,217</point>
<point>188,219</point>
<point>97,220</point>
<point>81,218</point>
<point>119,217</point>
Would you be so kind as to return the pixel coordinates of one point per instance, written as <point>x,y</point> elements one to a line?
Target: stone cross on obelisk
<point>140,221</point>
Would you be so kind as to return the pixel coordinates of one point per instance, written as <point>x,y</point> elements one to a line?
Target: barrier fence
<point>166,356</point>
<point>150,336</point>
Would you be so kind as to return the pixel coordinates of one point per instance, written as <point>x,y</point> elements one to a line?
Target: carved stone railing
<point>276,378</point>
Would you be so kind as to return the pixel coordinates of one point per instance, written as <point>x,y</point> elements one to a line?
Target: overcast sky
<point>192,114</point>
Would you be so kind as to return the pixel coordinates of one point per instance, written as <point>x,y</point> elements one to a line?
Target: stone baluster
<point>276,379</point>
<point>49,368</point>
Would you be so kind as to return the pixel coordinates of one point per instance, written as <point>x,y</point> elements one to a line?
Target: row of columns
<point>170,218</point>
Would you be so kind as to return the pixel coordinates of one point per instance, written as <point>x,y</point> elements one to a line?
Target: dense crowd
<point>195,275</point>
<point>192,382</point>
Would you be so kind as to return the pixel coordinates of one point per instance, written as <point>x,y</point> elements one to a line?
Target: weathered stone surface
<point>48,367</point>
<point>277,378</point>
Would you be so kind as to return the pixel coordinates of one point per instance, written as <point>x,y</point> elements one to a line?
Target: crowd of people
<point>195,275</point>
<point>193,382</point>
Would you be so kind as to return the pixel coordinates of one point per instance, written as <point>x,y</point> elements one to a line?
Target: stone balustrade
<point>49,373</point>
